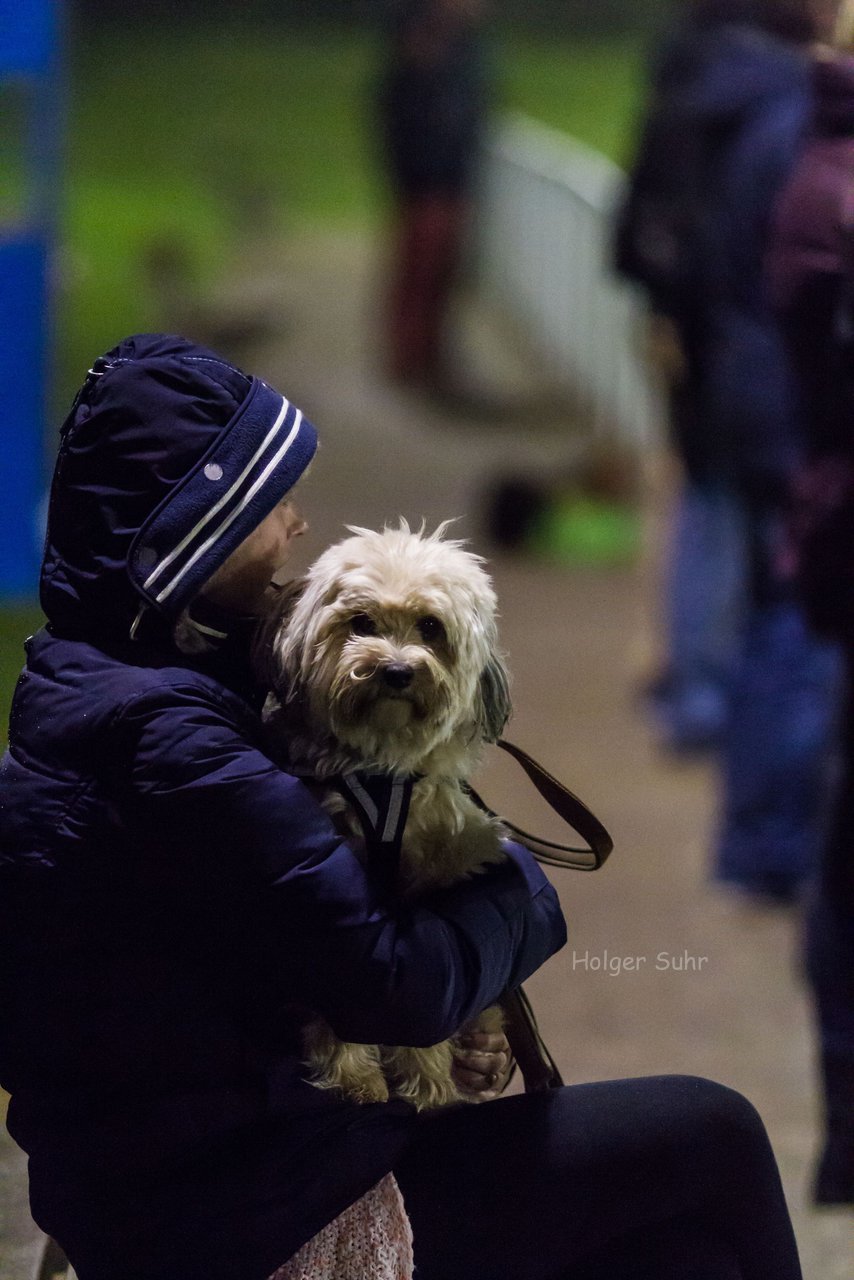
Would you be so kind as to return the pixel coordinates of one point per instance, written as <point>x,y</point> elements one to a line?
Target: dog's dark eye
<point>430,628</point>
<point>361,624</point>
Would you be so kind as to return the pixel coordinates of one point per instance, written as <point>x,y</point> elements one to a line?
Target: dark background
<point>583,16</point>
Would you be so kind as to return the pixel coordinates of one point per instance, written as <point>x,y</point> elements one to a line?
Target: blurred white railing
<point>545,236</point>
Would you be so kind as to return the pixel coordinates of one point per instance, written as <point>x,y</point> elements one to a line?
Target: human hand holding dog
<point>482,1062</point>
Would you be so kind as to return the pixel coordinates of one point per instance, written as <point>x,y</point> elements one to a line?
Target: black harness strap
<point>381,802</point>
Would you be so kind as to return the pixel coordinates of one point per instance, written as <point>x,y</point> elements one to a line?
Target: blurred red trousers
<point>428,254</point>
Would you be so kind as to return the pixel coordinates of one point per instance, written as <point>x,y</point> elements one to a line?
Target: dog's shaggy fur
<point>384,659</point>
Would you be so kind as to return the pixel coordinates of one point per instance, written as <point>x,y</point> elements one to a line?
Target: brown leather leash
<point>539,1069</point>
<point>528,1048</point>
<point>567,806</point>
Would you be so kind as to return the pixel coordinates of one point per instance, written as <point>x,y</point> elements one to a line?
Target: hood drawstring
<point>134,626</point>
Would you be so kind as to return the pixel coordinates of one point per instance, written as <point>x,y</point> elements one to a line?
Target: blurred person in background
<point>812,272</point>
<point>433,102</point>
<point>729,109</point>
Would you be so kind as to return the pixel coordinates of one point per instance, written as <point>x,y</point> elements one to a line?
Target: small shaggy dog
<point>385,672</point>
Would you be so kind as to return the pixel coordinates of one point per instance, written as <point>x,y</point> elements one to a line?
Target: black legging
<point>830,955</point>
<point>663,1178</point>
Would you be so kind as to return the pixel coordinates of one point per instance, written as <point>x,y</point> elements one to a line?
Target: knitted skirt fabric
<point>371,1240</point>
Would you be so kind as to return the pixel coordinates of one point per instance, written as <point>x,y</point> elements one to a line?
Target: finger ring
<point>492,1079</point>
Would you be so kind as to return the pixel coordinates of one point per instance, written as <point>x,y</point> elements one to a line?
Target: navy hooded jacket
<point>170,901</point>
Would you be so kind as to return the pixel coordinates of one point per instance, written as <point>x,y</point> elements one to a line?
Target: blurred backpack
<point>822,524</point>
<point>663,232</point>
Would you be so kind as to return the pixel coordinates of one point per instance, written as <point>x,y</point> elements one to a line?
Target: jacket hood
<point>717,76</point>
<point>833,80</point>
<point>168,460</point>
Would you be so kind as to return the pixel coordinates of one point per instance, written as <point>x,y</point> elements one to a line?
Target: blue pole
<point>29,62</point>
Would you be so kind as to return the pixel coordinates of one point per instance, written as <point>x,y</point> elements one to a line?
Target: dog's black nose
<point>398,675</point>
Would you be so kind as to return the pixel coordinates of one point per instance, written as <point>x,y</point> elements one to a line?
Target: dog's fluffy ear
<point>494,704</point>
<point>265,664</point>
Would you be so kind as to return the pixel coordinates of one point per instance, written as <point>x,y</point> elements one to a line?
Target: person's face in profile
<point>240,585</point>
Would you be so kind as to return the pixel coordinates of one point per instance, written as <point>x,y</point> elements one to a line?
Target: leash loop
<point>567,806</point>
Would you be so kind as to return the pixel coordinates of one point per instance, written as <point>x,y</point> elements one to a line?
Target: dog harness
<point>381,802</point>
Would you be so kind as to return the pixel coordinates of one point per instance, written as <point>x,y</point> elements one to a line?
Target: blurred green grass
<point>175,137</point>
<point>180,136</point>
<point>590,89</point>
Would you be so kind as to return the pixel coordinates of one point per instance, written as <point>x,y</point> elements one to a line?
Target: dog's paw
<point>365,1089</point>
<point>426,1094</point>
<point>353,1069</point>
<point>362,1087</point>
<point>422,1076</point>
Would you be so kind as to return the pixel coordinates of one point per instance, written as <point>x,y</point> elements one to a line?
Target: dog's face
<point>390,647</point>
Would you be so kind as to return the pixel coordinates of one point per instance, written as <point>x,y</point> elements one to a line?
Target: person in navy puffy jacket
<point>171,902</point>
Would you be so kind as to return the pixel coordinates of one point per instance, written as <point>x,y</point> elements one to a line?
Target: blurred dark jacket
<point>811,268</point>
<point>728,115</point>
<point>433,100</point>
<point>811,257</point>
